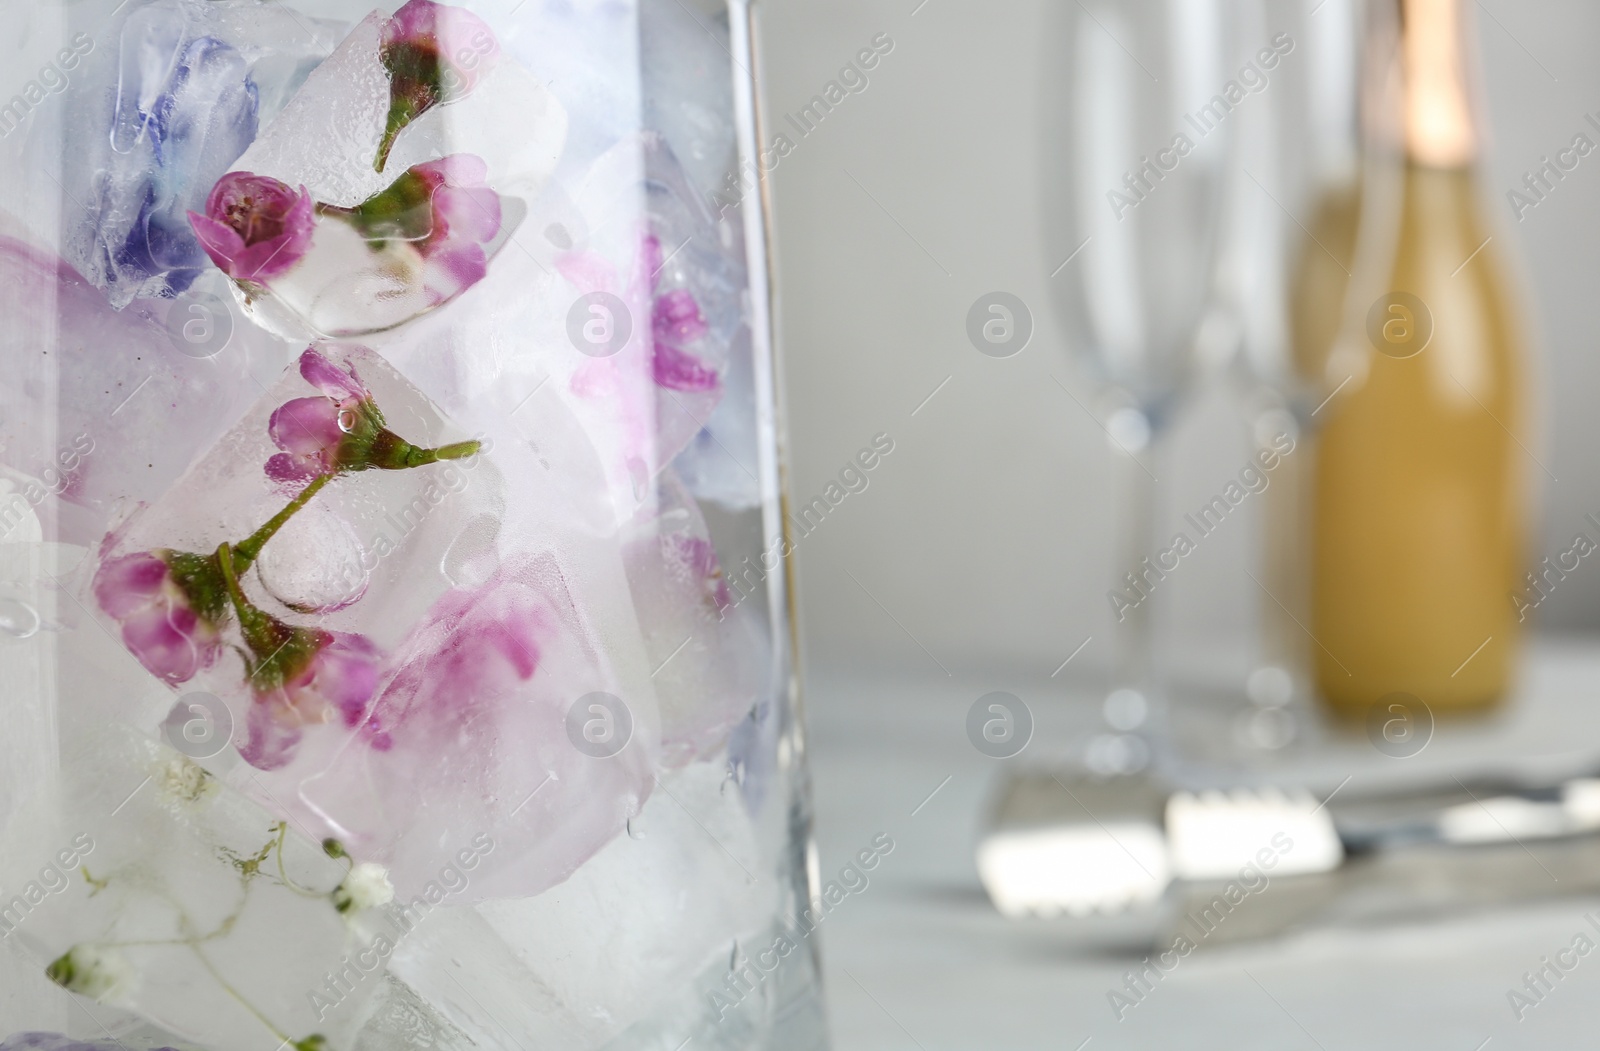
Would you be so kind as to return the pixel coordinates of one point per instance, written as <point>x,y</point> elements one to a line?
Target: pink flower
<point>675,318</point>
<point>433,53</point>
<point>475,648</point>
<point>255,227</point>
<point>473,730</point>
<point>675,321</point>
<point>443,210</point>
<point>171,606</point>
<point>340,430</point>
<point>314,677</point>
<point>312,432</point>
<point>307,429</point>
<point>466,216</point>
<point>696,553</point>
<point>679,370</point>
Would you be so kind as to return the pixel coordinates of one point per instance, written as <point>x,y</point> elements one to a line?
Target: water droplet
<point>347,420</point>
<point>18,619</point>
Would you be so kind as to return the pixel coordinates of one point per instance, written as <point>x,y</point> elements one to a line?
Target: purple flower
<point>255,227</point>
<point>340,430</point>
<point>308,431</point>
<point>171,605</point>
<point>476,647</point>
<point>313,677</point>
<point>433,53</point>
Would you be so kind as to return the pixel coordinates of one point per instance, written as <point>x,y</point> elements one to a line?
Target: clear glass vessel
<point>393,584</point>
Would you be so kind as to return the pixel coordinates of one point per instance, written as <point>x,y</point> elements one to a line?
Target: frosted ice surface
<point>158,117</point>
<point>629,931</point>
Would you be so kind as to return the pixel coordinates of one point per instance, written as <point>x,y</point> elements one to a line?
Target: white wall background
<point>985,535</point>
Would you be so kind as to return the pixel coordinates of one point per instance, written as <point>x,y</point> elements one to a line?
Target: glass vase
<point>393,583</point>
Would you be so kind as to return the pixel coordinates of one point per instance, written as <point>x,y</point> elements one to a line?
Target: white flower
<point>183,780</point>
<point>367,886</point>
<point>100,974</point>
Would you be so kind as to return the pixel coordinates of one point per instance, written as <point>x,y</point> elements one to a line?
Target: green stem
<point>231,991</point>
<point>246,550</point>
<point>283,872</point>
<point>457,451</point>
<point>256,625</point>
<point>402,111</point>
<point>231,580</point>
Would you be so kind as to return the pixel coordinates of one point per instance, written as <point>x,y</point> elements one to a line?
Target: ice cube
<point>723,462</point>
<point>327,137</point>
<point>501,732</point>
<point>367,258</point>
<point>89,390</point>
<point>652,305</point>
<point>158,118</point>
<point>706,650</point>
<point>688,93</point>
<point>401,1021</point>
<point>462,728</point>
<point>589,52</point>
<point>575,966</point>
<point>177,899</point>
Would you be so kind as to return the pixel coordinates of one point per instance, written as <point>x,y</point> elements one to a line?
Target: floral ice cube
<point>656,260</point>
<point>157,122</point>
<point>328,135</point>
<point>184,902</point>
<point>318,269</point>
<point>706,652</point>
<point>434,53</point>
<point>109,381</point>
<point>478,732</point>
<point>397,691</point>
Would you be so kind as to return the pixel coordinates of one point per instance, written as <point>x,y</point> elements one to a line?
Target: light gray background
<point>985,535</point>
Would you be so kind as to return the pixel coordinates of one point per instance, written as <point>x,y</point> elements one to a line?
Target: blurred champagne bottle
<point>1419,505</point>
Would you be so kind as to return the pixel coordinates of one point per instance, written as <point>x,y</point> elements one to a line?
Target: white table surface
<point>920,960</point>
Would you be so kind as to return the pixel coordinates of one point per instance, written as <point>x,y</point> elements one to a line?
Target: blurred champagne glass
<point>1288,254</point>
<point>1136,172</point>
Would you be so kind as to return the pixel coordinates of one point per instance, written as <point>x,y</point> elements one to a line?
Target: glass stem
<point>1138,576</point>
<point>1287,529</point>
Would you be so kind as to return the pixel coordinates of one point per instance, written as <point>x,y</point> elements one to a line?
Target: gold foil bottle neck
<point>1438,116</point>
